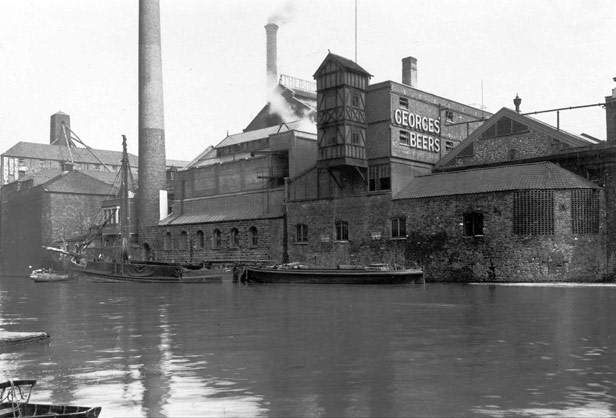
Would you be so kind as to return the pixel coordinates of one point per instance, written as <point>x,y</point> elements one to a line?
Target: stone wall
<point>369,231</point>
<point>437,241</point>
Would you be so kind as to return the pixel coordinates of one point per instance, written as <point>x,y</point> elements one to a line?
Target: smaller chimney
<point>517,102</point>
<point>610,117</point>
<point>59,129</point>
<point>409,71</point>
<point>271,76</point>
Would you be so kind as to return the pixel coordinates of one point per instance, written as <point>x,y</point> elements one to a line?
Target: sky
<point>80,57</point>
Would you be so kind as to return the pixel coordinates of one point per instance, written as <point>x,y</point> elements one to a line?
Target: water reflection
<point>234,350</point>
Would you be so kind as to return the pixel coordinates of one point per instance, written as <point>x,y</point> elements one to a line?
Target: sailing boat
<point>119,266</point>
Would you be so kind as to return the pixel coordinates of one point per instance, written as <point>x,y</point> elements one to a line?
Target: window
<point>584,211</point>
<point>355,99</point>
<point>183,240</point>
<point>448,145</point>
<point>398,227</point>
<point>503,126</point>
<point>234,238</point>
<point>253,236</point>
<point>405,137</point>
<point>533,212</point>
<point>342,231</point>
<point>404,102</point>
<point>200,239</point>
<point>355,137</point>
<point>449,116</point>
<point>473,224</point>
<point>379,178</point>
<point>216,239</point>
<point>111,215</point>
<point>301,233</point>
<point>330,99</point>
<point>167,243</point>
<point>331,135</point>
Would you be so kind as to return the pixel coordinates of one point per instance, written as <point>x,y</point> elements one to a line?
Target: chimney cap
<point>517,101</point>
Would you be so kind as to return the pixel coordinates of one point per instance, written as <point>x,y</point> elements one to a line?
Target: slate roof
<point>80,155</point>
<point>60,153</point>
<point>544,176</point>
<point>230,214</point>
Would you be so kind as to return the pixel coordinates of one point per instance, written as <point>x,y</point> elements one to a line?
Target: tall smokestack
<point>271,77</point>
<point>409,71</point>
<point>152,176</point>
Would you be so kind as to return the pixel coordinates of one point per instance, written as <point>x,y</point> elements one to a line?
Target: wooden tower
<point>341,116</point>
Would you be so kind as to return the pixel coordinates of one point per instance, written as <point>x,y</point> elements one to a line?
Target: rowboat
<point>15,402</point>
<point>48,275</point>
<point>342,274</point>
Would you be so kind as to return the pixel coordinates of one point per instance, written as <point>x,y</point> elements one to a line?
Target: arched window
<point>253,236</point>
<point>183,240</point>
<point>301,233</point>
<point>234,238</point>
<point>167,243</point>
<point>216,239</point>
<point>200,239</point>
<point>342,231</point>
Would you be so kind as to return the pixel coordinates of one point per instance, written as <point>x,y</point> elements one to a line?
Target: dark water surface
<point>309,350</point>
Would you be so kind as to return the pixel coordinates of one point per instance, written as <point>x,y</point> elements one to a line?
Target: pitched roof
<point>560,135</point>
<point>61,153</point>
<point>344,62</point>
<point>544,176</point>
<point>80,155</point>
<point>264,133</point>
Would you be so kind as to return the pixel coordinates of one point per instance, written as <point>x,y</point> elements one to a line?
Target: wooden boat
<point>48,275</point>
<point>15,402</point>
<point>119,266</point>
<point>297,273</point>
<point>144,272</point>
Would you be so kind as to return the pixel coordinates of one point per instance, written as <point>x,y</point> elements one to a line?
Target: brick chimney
<point>271,76</point>
<point>59,128</point>
<point>409,71</point>
<point>610,117</point>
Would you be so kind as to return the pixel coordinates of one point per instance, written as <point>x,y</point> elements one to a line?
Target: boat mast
<point>124,227</point>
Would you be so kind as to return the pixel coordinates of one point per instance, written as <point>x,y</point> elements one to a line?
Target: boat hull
<point>108,272</point>
<point>8,409</point>
<point>42,277</point>
<point>332,276</point>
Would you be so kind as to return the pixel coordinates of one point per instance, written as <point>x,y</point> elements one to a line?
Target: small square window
<point>405,137</point>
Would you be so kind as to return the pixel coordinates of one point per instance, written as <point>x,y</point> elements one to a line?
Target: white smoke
<point>283,14</point>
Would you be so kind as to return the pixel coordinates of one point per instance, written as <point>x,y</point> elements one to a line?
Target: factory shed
<point>505,223</point>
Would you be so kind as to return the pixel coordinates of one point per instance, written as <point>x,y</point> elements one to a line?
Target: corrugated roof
<point>264,133</point>
<point>542,175</point>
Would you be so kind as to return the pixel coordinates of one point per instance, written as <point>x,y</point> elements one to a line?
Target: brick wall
<point>270,237</point>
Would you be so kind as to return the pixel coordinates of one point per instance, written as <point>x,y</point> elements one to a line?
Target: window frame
<point>341,229</point>
<point>398,227</point>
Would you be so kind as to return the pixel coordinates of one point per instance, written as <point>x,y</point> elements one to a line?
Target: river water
<point>230,349</point>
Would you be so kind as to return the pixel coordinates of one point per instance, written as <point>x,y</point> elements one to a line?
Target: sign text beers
<point>422,127</point>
